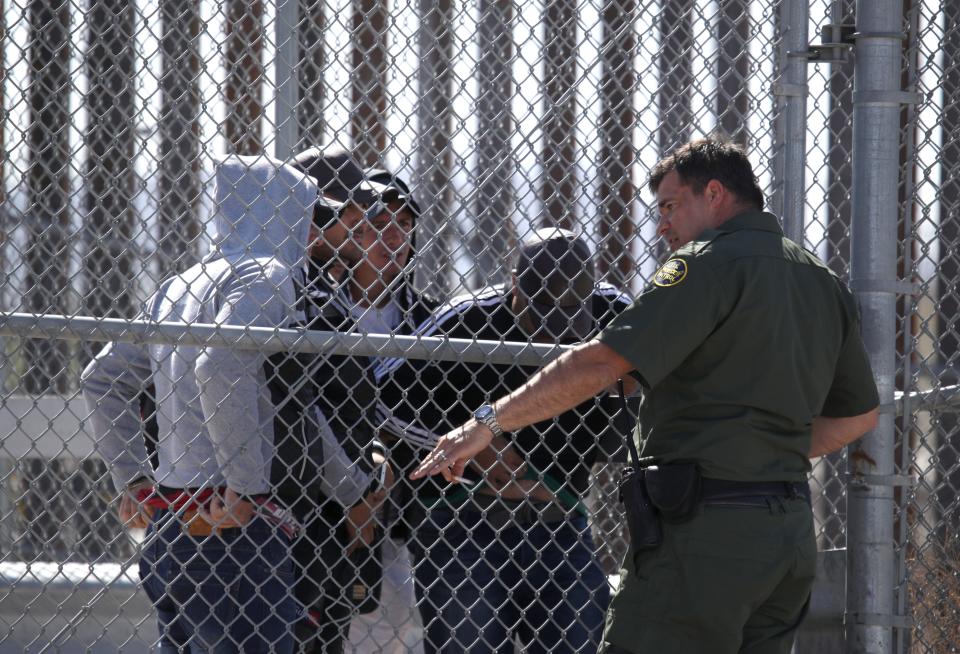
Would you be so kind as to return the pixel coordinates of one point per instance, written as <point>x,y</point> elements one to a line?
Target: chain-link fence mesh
<point>482,123</point>
<point>929,331</point>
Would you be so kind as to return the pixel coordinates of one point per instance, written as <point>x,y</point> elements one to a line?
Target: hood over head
<point>264,208</point>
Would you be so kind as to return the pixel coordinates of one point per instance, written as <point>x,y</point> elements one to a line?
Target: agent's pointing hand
<point>572,378</point>
<point>454,451</point>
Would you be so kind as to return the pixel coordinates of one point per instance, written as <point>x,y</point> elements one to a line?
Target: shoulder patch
<point>671,273</point>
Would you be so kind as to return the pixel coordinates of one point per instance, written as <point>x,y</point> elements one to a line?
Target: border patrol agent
<point>749,352</point>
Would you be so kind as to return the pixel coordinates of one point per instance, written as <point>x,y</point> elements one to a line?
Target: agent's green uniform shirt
<point>742,338</point>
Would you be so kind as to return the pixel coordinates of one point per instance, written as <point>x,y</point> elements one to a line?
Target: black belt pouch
<point>646,532</point>
<point>675,490</point>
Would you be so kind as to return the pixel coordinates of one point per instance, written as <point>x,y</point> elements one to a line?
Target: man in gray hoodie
<point>216,562</point>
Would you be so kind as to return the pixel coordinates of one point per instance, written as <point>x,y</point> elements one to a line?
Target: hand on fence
<point>228,511</point>
<point>133,514</point>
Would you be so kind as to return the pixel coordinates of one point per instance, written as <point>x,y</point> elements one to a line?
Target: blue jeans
<point>225,593</point>
<point>478,588</point>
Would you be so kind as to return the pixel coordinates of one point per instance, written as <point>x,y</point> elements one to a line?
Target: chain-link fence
<point>467,128</point>
<point>926,439</point>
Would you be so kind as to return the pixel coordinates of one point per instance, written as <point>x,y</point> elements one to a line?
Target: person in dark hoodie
<point>508,556</point>
<point>359,280</point>
<point>217,561</point>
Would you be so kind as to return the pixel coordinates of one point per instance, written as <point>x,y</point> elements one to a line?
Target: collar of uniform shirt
<point>751,219</point>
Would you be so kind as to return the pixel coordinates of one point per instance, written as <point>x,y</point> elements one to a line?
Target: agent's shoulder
<point>710,252</point>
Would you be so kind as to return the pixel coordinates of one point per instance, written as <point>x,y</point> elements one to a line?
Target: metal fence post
<point>871,566</point>
<point>831,510</point>
<point>110,225</point>
<point>310,64</point>
<point>674,96</point>
<point>245,75</point>
<point>285,67</point>
<point>559,183</point>
<point>839,165</point>
<point>435,157</point>
<point>494,205</point>
<point>48,215</point>
<point>733,69</point>
<point>792,124</point>
<point>110,173</point>
<point>368,80</point>
<point>617,192</point>
<point>674,23</point>
<point>178,166</point>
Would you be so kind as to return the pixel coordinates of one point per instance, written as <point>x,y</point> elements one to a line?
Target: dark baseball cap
<point>333,170</point>
<point>555,281</point>
<point>377,195</point>
<point>341,180</point>
<point>335,174</point>
<point>326,210</point>
<point>340,177</point>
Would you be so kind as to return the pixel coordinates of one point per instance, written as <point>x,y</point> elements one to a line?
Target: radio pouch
<point>646,532</point>
<point>674,490</point>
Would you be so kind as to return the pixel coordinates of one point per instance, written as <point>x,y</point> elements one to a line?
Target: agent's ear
<point>715,192</point>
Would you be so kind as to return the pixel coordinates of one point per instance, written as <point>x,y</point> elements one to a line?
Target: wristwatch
<point>486,415</point>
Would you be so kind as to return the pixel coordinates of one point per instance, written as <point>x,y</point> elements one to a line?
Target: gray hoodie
<point>215,415</point>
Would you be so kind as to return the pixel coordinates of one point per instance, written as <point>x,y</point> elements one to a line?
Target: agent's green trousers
<point>731,580</point>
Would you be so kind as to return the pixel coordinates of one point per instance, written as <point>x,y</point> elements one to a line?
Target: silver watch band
<point>487,416</point>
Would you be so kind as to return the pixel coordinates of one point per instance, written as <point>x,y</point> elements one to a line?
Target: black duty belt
<point>751,493</point>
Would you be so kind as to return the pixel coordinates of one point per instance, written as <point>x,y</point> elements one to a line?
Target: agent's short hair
<point>713,157</point>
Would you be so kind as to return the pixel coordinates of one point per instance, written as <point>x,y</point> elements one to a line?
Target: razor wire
<point>503,117</point>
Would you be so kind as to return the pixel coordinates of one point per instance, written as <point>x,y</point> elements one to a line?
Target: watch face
<point>486,415</point>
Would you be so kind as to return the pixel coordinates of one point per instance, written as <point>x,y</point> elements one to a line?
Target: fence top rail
<point>268,339</point>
